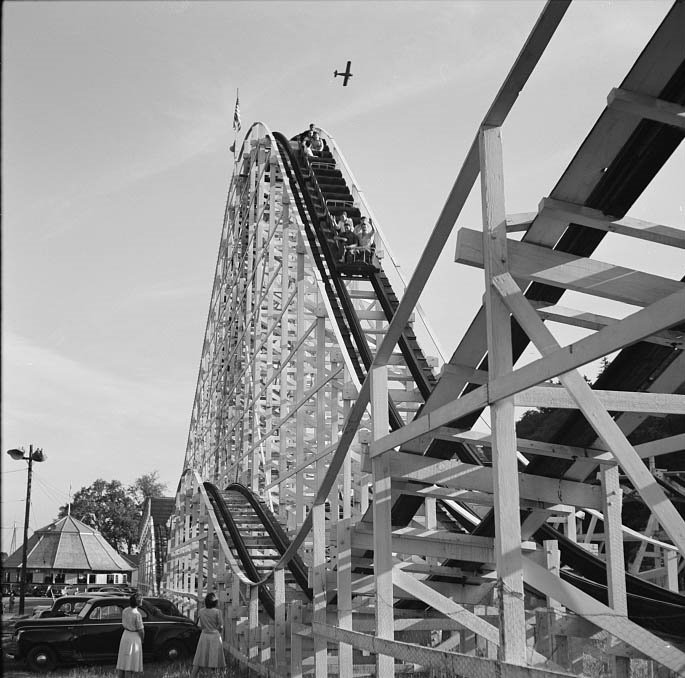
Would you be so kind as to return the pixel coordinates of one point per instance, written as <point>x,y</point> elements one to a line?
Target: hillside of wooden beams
<point>418,553</point>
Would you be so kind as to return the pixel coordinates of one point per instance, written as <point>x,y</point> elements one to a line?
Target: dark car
<point>164,606</point>
<point>67,606</point>
<point>93,636</point>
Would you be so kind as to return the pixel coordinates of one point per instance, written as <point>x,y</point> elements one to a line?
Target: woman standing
<point>210,647</point>
<point>130,659</point>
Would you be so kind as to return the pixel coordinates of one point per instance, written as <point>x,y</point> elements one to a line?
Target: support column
<point>382,522</point>
<point>512,647</point>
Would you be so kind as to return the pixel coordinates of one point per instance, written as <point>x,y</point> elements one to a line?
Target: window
<point>110,579</point>
<point>92,579</point>
<point>106,613</point>
<point>59,578</point>
<point>81,578</point>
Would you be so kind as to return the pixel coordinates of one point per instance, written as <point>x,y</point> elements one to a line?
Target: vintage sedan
<point>93,636</point>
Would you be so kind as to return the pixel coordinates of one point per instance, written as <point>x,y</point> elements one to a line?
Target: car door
<point>97,636</point>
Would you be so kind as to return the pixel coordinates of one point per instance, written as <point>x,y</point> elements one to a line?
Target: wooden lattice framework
<point>280,408</point>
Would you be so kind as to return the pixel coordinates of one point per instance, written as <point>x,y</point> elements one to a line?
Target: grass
<point>152,670</point>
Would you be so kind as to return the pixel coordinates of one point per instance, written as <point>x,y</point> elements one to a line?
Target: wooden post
<point>382,522</point>
<point>512,647</point>
<point>613,539</point>
<point>318,576</point>
<point>671,564</point>
<point>279,621</point>
<point>295,640</point>
<point>344,575</point>
<point>253,623</point>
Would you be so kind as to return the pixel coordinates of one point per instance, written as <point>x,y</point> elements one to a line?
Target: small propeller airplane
<point>346,74</point>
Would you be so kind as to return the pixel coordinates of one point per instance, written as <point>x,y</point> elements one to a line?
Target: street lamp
<point>34,455</point>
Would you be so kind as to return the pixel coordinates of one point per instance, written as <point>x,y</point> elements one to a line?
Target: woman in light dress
<point>130,659</point>
<point>210,647</point>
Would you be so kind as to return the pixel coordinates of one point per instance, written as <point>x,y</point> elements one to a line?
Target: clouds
<point>90,421</point>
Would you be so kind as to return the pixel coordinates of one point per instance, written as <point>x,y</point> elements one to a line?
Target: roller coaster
<point>336,493</point>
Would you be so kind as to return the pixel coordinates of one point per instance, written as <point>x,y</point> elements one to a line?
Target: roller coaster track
<point>241,514</point>
<point>343,458</point>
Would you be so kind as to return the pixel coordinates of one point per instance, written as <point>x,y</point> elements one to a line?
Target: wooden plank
<point>382,521</point>
<point>580,274</point>
<point>636,228</point>
<point>594,321</point>
<point>600,420</point>
<point>613,540</point>
<point>458,475</point>
<point>603,616</point>
<point>344,581</point>
<point>656,404</point>
<point>279,621</point>
<point>295,640</point>
<point>512,626</point>
<point>519,222</point>
<point>451,663</point>
<point>445,605</point>
<point>318,581</point>
<point>477,498</point>
<point>647,107</point>
<point>436,543</point>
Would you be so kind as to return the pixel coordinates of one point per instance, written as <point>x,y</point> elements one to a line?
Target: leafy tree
<point>148,485</point>
<point>114,510</point>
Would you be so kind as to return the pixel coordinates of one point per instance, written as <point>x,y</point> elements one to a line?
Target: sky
<point>117,118</point>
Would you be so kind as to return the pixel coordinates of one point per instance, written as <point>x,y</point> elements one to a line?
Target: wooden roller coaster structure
<point>336,494</point>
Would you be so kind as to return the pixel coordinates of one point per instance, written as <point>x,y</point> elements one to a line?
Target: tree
<point>114,510</point>
<point>148,485</point>
<point>109,508</point>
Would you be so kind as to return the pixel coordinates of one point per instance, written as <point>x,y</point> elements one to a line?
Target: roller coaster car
<point>358,267</point>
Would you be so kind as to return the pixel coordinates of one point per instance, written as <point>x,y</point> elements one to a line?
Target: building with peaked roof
<point>68,552</point>
<point>152,543</point>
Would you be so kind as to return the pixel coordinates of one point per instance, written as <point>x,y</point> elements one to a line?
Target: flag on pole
<point>236,114</point>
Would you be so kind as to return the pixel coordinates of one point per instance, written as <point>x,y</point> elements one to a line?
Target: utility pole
<point>17,455</point>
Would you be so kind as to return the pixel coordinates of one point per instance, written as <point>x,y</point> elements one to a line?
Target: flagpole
<point>236,127</point>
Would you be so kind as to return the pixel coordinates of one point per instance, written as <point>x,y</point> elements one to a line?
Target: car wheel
<point>41,659</point>
<point>173,651</point>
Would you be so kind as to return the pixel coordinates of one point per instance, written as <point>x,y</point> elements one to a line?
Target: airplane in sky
<point>346,74</point>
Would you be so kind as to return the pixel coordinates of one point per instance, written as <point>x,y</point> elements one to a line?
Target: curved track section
<point>256,537</point>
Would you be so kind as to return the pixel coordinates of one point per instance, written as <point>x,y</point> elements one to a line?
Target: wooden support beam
<point>382,521</point>
<point>605,427</point>
<point>512,634</point>
<point>344,581</point>
<point>660,315</point>
<point>436,543</point>
<point>519,222</point>
<point>647,107</point>
<point>636,228</point>
<point>450,663</point>
<point>279,621</point>
<point>445,605</point>
<point>594,321</point>
<point>613,541</point>
<point>655,404</point>
<point>603,616</point>
<point>458,475</point>
<point>533,263</point>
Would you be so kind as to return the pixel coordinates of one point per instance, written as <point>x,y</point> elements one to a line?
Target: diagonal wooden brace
<point>600,420</point>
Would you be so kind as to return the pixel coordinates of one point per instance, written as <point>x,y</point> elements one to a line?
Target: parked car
<point>66,606</point>
<point>94,635</point>
<point>164,606</point>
